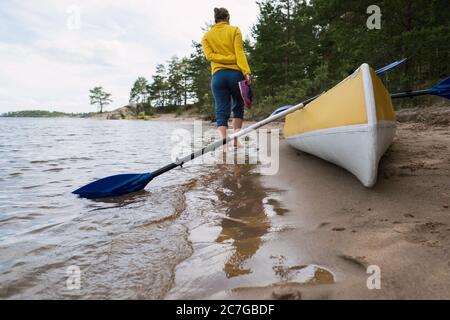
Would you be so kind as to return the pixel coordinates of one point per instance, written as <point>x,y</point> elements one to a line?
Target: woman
<point>223,47</point>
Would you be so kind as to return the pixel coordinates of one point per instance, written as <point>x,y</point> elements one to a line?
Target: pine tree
<point>140,93</point>
<point>99,97</point>
<point>159,87</point>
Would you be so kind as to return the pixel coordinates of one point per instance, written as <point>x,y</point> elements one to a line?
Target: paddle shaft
<point>410,94</point>
<point>241,133</point>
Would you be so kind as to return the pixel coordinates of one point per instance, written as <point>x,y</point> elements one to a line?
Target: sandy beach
<point>402,225</point>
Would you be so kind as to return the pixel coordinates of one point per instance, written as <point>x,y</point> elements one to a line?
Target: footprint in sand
<point>286,294</point>
<point>359,262</point>
<point>426,233</point>
<point>323,224</point>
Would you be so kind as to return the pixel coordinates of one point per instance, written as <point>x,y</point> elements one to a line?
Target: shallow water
<point>127,247</point>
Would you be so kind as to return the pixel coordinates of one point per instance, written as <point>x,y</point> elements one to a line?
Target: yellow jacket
<point>223,47</point>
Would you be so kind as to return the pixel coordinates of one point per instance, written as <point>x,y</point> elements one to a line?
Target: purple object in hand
<point>246,93</point>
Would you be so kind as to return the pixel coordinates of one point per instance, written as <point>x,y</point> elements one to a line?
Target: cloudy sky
<point>53,51</point>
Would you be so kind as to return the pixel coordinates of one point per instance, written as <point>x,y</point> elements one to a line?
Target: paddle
<point>121,184</point>
<point>442,89</point>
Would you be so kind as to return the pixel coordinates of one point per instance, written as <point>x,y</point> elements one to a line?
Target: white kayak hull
<point>358,147</point>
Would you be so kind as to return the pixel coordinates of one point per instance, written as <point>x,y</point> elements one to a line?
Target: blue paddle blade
<point>390,66</point>
<point>442,89</point>
<point>114,186</point>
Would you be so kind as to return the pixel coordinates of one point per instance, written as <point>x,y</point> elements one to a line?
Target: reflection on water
<point>235,218</point>
<point>118,202</point>
<point>246,221</point>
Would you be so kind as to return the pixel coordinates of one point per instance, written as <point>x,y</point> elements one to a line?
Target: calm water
<point>198,224</point>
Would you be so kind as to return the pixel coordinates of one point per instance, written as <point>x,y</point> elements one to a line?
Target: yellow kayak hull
<point>351,125</point>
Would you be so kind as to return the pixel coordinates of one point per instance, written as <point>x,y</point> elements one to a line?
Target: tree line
<point>170,85</point>
<point>297,49</point>
<point>300,49</point>
<point>178,83</point>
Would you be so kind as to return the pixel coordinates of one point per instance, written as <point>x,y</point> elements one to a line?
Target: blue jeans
<point>227,96</point>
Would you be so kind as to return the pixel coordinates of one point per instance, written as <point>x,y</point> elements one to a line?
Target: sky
<point>53,51</point>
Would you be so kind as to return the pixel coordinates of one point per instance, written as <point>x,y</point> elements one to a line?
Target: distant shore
<point>188,114</point>
<point>44,114</point>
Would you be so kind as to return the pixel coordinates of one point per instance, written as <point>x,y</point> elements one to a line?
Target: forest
<point>297,49</point>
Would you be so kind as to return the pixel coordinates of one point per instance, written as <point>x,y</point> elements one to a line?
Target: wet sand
<point>402,225</point>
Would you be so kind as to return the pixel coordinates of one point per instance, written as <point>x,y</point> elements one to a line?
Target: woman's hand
<point>248,78</point>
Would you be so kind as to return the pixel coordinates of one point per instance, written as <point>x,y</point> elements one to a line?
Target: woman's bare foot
<point>237,143</point>
<point>224,148</point>
<point>237,125</point>
<point>223,133</point>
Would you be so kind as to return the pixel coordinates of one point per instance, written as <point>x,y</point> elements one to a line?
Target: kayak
<point>351,125</point>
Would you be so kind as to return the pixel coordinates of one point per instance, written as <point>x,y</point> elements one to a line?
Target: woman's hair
<point>221,14</point>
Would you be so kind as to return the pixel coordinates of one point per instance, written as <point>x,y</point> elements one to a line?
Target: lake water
<point>201,224</point>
